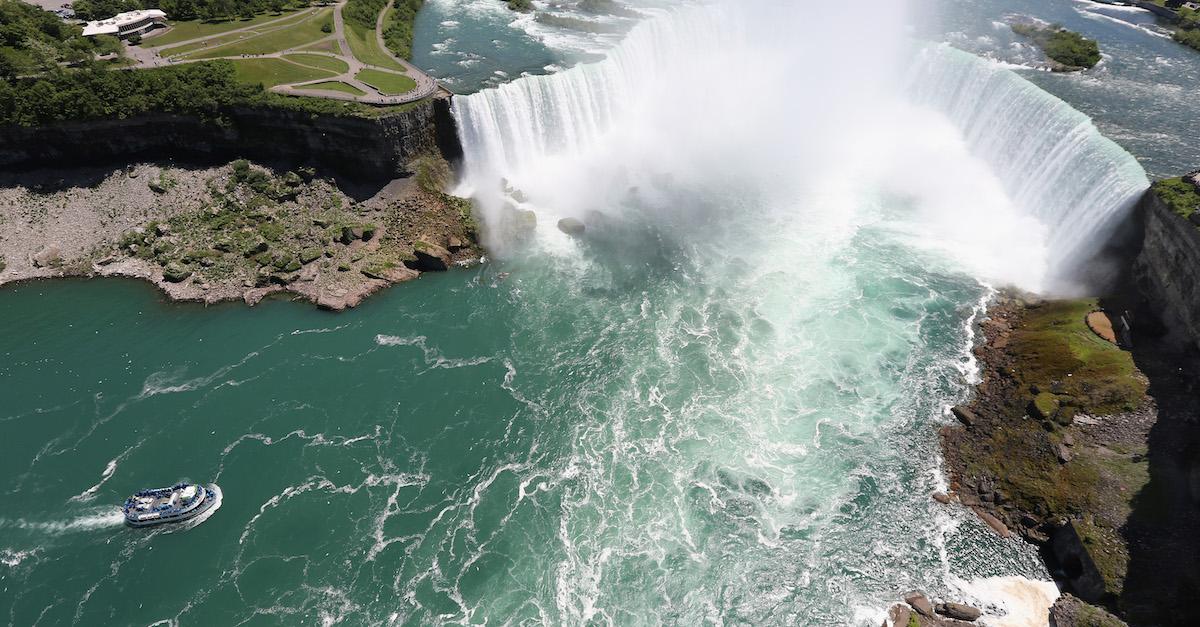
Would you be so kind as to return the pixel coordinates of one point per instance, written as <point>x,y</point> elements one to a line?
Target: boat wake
<point>99,518</point>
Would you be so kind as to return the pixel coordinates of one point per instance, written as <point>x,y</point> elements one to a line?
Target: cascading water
<point>1052,161</point>
<point>1024,161</point>
<point>788,230</point>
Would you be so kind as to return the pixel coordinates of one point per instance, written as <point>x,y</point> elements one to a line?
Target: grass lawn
<point>336,86</point>
<point>365,47</point>
<point>272,72</point>
<point>319,60</point>
<point>387,82</point>
<point>329,45</point>
<point>291,36</point>
<point>207,43</point>
<point>183,31</point>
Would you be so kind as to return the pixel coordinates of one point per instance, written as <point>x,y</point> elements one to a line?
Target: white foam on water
<point>107,474</point>
<point>432,356</point>
<point>99,518</point>
<point>1011,601</point>
<point>13,557</point>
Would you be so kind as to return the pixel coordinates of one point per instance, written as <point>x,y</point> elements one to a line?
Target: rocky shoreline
<point>234,232</point>
<point>1057,447</point>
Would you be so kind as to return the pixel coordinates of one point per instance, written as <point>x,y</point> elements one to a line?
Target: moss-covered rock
<point>176,272</point>
<point>309,255</point>
<point>1044,406</point>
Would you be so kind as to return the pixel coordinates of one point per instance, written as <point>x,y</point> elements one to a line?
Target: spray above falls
<point>816,112</point>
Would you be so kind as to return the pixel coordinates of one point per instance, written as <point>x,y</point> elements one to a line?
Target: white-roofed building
<point>126,24</point>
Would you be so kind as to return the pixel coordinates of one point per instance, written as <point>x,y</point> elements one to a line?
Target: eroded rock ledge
<point>1067,445</point>
<point>237,232</point>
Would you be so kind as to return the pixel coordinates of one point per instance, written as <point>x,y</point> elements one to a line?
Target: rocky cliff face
<point>358,147</point>
<point>1168,267</point>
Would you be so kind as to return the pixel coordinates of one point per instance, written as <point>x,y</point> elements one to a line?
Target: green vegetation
<point>387,83</point>
<point>365,47</point>
<point>33,40</point>
<point>336,86</point>
<point>253,229</point>
<point>220,40</point>
<point>50,73</point>
<point>185,30</point>
<point>361,17</point>
<point>271,72</point>
<point>1187,23</point>
<point>64,95</point>
<point>199,89</point>
<point>319,61</point>
<point>398,26</point>
<point>1188,37</point>
<point>1066,47</point>
<point>1060,368</point>
<point>329,45</point>
<point>1179,195</point>
<point>292,35</point>
<point>1060,354</point>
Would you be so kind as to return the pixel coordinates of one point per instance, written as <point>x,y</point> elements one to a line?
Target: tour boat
<point>158,506</point>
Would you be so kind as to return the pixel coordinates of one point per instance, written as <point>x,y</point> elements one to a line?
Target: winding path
<point>151,56</point>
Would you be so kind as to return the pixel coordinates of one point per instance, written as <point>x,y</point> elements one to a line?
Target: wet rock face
<point>1069,611</point>
<point>958,611</point>
<point>917,609</point>
<point>356,147</point>
<point>572,227</point>
<point>919,602</point>
<point>1168,268</point>
<point>430,257</point>
<point>1072,554</point>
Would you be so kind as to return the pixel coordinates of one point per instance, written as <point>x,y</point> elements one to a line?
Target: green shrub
<point>1071,48</point>
<point>1179,195</point>
<point>1066,47</point>
<point>203,90</point>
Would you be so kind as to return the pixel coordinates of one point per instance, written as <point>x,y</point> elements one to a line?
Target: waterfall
<point>1025,176</point>
<point>1053,162</point>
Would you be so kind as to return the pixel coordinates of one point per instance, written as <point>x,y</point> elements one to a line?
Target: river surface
<point>720,407</point>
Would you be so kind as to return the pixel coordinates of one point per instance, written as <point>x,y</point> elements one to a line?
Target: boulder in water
<point>899,613</point>
<point>919,602</point>
<point>572,227</point>
<point>1000,528</point>
<point>958,611</point>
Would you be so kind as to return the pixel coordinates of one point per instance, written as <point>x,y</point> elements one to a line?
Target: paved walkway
<point>150,56</point>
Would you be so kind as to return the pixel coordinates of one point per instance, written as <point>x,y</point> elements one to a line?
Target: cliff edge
<point>375,147</point>
<point>1168,268</point>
